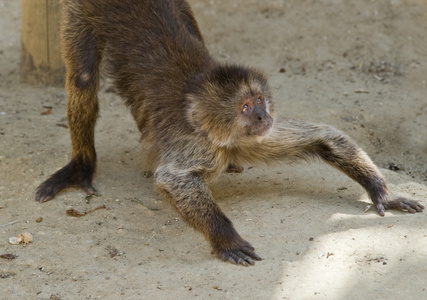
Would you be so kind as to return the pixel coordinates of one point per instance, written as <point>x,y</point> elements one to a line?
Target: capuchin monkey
<point>199,117</point>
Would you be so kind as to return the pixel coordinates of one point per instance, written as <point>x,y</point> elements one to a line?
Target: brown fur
<point>197,116</point>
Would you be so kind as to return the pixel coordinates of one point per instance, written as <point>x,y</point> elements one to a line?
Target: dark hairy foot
<point>76,174</point>
<point>234,169</point>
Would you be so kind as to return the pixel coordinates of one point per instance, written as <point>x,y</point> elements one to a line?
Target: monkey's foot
<point>242,254</point>
<point>396,202</point>
<point>76,174</point>
<point>234,169</point>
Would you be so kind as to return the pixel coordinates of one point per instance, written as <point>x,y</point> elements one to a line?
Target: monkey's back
<point>150,48</point>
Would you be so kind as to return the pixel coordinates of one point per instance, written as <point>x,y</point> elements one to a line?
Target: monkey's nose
<point>259,114</point>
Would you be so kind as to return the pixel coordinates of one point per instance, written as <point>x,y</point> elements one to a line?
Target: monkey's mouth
<point>261,128</point>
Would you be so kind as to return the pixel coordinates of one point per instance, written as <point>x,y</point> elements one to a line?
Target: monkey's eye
<point>245,108</point>
<point>258,101</point>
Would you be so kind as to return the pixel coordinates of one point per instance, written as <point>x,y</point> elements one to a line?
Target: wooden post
<point>41,61</point>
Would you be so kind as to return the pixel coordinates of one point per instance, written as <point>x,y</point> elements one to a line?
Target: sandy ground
<point>358,65</point>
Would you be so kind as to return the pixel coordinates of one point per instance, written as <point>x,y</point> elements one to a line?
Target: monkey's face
<point>255,115</point>
<point>228,103</point>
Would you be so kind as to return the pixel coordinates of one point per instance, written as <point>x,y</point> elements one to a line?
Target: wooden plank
<point>53,23</point>
<point>41,61</point>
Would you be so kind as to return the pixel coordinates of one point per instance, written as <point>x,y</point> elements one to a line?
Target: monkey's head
<point>230,102</point>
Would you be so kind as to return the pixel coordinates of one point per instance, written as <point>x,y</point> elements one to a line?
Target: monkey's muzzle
<point>261,127</point>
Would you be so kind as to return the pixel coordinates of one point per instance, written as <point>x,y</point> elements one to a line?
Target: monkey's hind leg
<point>82,57</point>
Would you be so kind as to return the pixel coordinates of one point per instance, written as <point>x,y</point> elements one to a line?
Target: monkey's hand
<point>240,253</point>
<point>397,202</point>
<point>76,174</point>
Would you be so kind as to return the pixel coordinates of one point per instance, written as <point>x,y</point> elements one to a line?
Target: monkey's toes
<point>234,169</point>
<point>45,192</point>
<point>42,197</point>
<point>88,188</point>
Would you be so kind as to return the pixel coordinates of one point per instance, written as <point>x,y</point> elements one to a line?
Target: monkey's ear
<point>215,121</point>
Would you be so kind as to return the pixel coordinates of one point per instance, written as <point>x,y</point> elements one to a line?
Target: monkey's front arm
<point>189,194</point>
<point>293,139</point>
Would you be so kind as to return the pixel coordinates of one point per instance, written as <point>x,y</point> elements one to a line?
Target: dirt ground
<point>360,66</point>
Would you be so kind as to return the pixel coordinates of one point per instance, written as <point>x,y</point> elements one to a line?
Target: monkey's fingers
<point>402,203</point>
<point>244,256</point>
<point>412,206</point>
<point>381,209</point>
<point>237,257</point>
